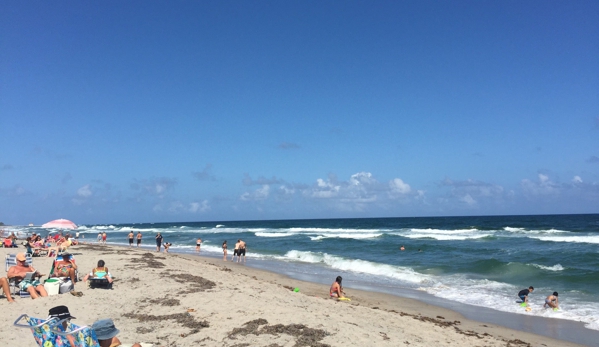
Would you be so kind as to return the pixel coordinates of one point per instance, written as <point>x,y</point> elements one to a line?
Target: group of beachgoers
<point>37,245</point>
<point>29,279</point>
<point>238,252</point>
<point>550,301</point>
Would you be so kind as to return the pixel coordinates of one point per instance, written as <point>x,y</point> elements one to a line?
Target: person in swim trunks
<point>158,242</point>
<point>523,294</point>
<point>241,251</point>
<point>236,251</point>
<point>552,301</point>
<point>138,238</point>
<point>130,236</point>
<point>336,290</point>
<point>20,270</point>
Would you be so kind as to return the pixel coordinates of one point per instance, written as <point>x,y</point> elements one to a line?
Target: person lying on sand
<point>19,271</point>
<point>336,290</point>
<point>552,301</point>
<point>99,272</point>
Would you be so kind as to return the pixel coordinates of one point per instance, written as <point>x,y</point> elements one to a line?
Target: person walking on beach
<point>552,301</point>
<point>104,238</point>
<point>138,238</point>
<point>198,244</point>
<point>99,237</point>
<point>225,250</point>
<point>523,294</point>
<point>336,290</point>
<point>130,236</point>
<point>241,251</point>
<point>158,242</point>
<point>236,251</point>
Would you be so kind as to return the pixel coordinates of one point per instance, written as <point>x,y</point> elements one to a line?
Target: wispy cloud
<point>205,174</point>
<point>248,181</point>
<point>288,145</point>
<point>155,186</point>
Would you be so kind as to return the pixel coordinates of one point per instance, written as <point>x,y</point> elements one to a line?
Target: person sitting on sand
<point>6,288</point>
<point>106,333</point>
<point>336,290</point>
<point>523,294</point>
<point>61,313</point>
<point>19,271</point>
<point>99,272</point>
<point>65,267</point>
<point>552,301</point>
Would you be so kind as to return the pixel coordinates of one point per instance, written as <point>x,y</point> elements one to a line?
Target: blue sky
<point>137,111</point>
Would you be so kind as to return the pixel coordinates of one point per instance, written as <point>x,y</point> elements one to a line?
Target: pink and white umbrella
<point>60,224</point>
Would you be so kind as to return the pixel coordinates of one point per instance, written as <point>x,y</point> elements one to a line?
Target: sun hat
<point>105,329</point>
<point>60,312</point>
<point>21,257</point>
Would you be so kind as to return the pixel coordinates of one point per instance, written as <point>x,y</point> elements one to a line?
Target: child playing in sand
<point>336,290</point>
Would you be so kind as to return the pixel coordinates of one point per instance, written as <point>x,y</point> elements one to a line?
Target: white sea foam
<point>576,239</point>
<point>514,230</point>
<point>330,230</point>
<point>357,265</point>
<point>556,267</point>
<point>219,225</point>
<point>345,236</point>
<point>274,234</point>
<point>444,232</point>
<point>442,237</point>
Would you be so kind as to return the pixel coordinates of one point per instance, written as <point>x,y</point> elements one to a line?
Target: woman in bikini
<point>225,250</point>
<point>100,272</point>
<point>336,290</point>
<point>198,244</point>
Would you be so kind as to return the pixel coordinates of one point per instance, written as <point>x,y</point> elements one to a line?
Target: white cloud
<point>398,186</point>
<point>543,187</point>
<point>259,194</point>
<point>195,207</point>
<point>577,179</point>
<point>85,191</point>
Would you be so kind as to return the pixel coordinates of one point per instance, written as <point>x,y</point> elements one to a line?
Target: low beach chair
<point>99,283</point>
<point>83,336</point>
<point>41,329</point>
<point>11,260</point>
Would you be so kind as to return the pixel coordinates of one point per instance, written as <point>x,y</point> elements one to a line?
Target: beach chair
<point>11,260</point>
<point>83,336</point>
<point>99,283</point>
<point>41,329</point>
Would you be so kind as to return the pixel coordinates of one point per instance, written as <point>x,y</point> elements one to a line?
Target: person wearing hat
<point>106,333</point>
<point>19,271</point>
<point>61,313</point>
<point>65,267</point>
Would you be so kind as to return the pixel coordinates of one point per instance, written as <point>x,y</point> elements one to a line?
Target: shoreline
<point>212,302</point>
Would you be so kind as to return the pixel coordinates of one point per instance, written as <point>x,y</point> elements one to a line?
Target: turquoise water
<point>481,261</point>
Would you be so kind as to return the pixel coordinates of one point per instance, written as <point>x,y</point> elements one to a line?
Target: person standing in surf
<point>158,242</point>
<point>225,250</point>
<point>523,294</point>
<point>198,244</point>
<point>241,251</point>
<point>104,238</point>
<point>138,238</point>
<point>236,251</point>
<point>130,236</point>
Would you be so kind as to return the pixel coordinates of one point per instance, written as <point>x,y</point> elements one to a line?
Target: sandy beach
<point>186,300</point>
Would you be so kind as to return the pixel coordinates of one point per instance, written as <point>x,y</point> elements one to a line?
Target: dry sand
<point>185,300</point>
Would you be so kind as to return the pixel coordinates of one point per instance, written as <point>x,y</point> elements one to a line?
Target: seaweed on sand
<point>304,336</point>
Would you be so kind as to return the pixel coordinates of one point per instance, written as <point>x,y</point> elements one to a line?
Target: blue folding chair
<point>41,329</point>
<point>83,336</point>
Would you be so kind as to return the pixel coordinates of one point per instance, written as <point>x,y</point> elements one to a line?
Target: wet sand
<point>184,300</point>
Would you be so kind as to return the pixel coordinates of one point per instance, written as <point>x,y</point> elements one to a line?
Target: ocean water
<point>480,261</point>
